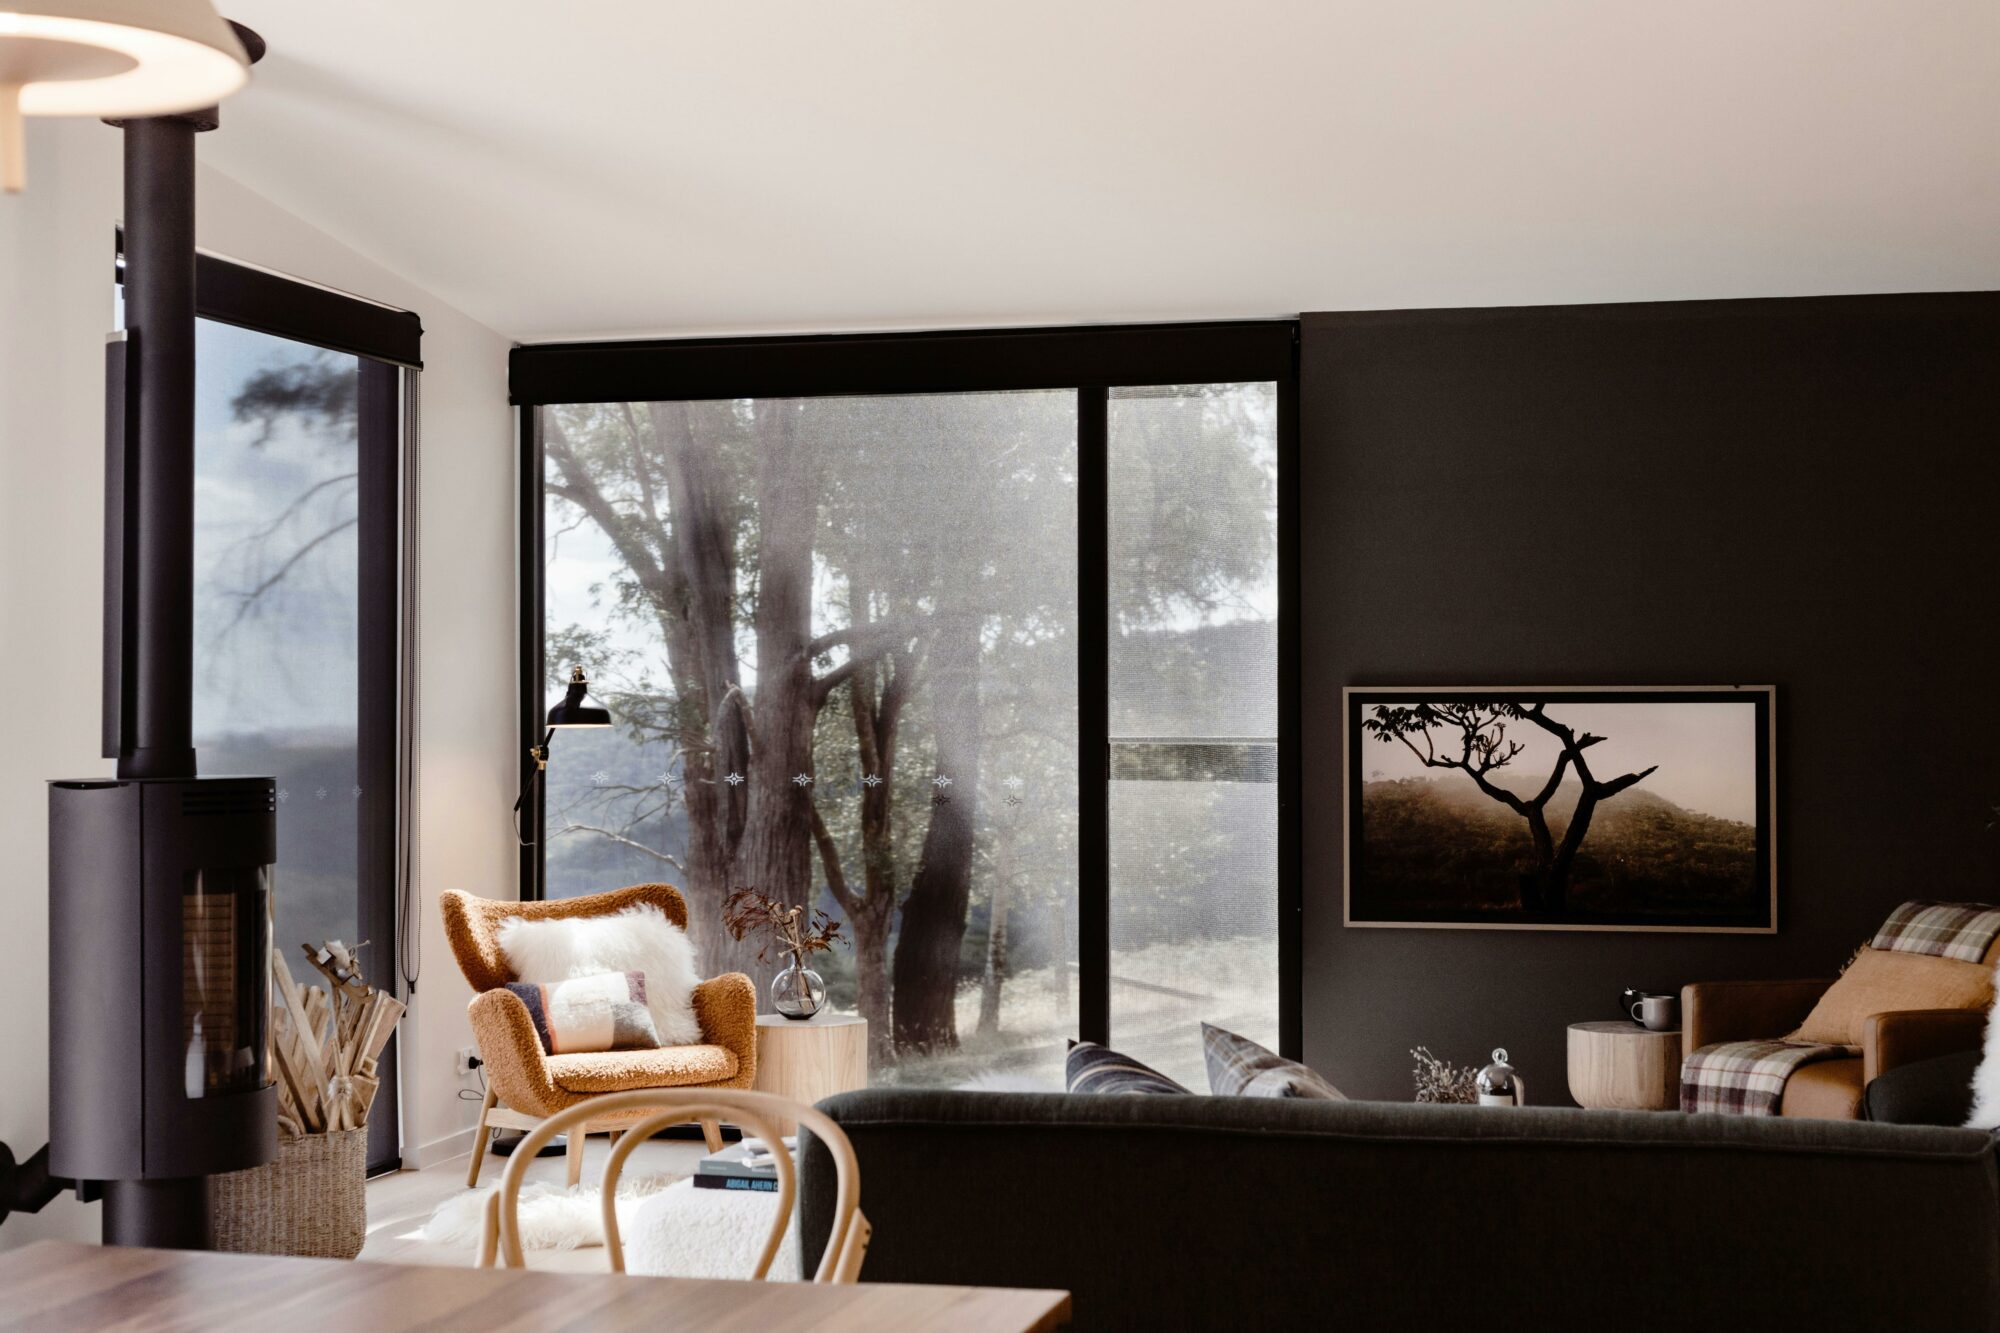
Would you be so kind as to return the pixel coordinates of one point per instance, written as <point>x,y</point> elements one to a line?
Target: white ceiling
<point>650,166</point>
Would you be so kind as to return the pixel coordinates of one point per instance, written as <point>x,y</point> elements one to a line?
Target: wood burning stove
<point>160,994</point>
<point>159,880</point>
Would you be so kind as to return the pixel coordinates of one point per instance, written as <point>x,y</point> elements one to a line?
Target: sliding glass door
<point>989,675</point>
<point>1192,533</point>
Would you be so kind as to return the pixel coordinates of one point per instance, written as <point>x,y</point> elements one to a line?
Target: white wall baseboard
<point>439,1150</point>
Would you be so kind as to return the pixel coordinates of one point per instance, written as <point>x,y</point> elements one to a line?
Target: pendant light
<point>110,58</point>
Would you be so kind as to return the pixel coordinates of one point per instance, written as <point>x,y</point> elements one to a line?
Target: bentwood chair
<point>758,1113</point>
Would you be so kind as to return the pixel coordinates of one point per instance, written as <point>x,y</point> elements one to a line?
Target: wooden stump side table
<point>806,1059</point>
<point>1620,1066</point>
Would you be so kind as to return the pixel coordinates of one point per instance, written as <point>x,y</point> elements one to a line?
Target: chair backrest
<point>472,923</point>
<point>757,1113</point>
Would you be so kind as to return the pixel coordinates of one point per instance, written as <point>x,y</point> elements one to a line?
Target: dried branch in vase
<point>793,933</point>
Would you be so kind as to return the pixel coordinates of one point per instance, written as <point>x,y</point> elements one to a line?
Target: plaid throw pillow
<point>605,1012</point>
<point>1098,1069</point>
<point>1239,1067</point>
<point>1961,931</point>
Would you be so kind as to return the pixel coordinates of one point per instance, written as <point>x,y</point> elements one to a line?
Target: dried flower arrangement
<point>793,933</point>
<point>1440,1081</point>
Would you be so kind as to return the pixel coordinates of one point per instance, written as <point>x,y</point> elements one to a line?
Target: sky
<point>1706,752</point>
<point>291,665</point>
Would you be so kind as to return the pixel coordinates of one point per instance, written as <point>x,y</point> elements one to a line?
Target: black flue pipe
<point>159,1214</point>
<point>159,323</point>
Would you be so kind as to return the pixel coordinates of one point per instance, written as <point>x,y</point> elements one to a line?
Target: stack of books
<point>748,1165</point>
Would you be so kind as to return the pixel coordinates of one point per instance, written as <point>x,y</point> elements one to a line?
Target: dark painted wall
<point>1792,492</point>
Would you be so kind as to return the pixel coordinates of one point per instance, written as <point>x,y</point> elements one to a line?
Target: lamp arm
<point>538,758</point>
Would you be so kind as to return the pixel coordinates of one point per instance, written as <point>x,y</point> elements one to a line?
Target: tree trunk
<point>1535,886</point>
<point>927,949</point>
<point>697,614</point>
<point>996,955</point>
<point>877,709</point>
<point>871,970</point>
<point>775,854</point>
<point>1565,857</point>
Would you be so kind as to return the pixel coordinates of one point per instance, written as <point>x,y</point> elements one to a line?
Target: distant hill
<point>1446,847</point>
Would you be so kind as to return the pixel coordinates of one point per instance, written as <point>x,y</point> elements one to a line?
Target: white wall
<point>55,307</point>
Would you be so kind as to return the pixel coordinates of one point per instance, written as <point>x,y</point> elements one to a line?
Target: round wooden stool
<point>806,1059</point>
<point>1620,1066</point>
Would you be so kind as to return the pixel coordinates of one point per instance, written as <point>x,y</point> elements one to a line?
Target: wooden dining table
<point>63,1285</point>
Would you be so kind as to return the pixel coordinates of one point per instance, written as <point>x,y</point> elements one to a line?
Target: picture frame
<point>1458,804</point>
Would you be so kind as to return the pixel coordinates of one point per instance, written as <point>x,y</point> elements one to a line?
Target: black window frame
<point>388,343</point>
<point>1092,360</point>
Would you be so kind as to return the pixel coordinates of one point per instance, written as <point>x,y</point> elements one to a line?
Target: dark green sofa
<point>1211,1213</point>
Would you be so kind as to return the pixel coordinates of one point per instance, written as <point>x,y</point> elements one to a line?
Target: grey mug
<point>1660,1013</point>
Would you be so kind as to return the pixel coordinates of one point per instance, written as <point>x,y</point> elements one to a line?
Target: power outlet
<point>466,1060</point>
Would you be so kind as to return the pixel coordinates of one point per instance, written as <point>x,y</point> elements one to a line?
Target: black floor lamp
<point>575,709</point>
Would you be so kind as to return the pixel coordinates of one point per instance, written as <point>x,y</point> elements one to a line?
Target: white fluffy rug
<point>670,1228</point>
<point>552,1217</point>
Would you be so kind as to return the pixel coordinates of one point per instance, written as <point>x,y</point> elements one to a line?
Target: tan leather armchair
<point>525,1085</point>
<point>1713,1011</point>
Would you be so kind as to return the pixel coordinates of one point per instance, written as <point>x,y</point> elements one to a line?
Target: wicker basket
<point>311,1201</point>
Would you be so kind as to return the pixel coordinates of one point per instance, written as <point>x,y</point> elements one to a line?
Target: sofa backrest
<point>1201,1212</point>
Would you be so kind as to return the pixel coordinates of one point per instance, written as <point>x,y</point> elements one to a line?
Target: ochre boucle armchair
<point>525,1086</point>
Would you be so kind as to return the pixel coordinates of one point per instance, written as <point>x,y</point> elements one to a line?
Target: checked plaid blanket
<point>1746,1077</point>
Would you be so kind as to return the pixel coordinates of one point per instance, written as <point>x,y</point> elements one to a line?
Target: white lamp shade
<point>117,58</point>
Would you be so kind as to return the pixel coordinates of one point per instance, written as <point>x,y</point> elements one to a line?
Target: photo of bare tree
<point>1608,809</point>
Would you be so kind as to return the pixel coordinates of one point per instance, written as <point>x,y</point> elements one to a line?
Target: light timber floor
<point>400,1204</point>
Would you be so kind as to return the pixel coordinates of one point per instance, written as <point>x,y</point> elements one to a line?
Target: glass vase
<point>797,992</point>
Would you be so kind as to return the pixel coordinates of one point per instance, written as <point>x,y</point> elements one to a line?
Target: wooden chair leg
<point>711,1133</point>
<point>479,1139</point>
<point>573,1154</point>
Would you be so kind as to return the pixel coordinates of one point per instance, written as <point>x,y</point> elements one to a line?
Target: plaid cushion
<point>1964,931</point>
<point>1099,1069</point>
<point>1746,1077</point>
<point>1239,1067</point>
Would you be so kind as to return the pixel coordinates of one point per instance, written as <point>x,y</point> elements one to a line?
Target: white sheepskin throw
<point>685,1232</point>
<point>638,939</point>
<point>551,1217</point>
<point>1986,1081</point>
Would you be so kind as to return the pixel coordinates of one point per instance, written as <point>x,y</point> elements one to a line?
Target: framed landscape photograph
<point>1531,808</point>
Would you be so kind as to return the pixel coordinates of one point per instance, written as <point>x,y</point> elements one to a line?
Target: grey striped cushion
<point>1239,1067</point>
<point>1094,1068</point>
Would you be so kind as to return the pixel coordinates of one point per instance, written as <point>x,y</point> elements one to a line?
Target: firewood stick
<point>309,1047</point>
<point>289,1099</point>
<point>389,1011</point>
<point>365,1088</point>
<point>296,1089</point>
<point>343,1050</point>
<point>300,1078</point>
<point>358,1013</point>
